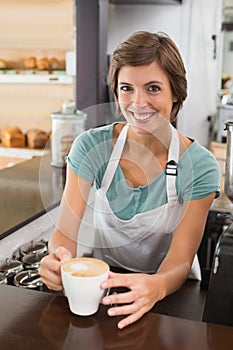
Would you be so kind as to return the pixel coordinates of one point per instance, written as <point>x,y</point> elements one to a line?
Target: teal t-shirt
<point>198,174</point>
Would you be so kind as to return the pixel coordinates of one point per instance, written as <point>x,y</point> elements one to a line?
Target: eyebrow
<point>123,83</point>
<point>149,83</point>
<point>154,82</point>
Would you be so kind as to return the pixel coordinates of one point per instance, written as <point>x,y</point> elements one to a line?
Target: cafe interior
<point>54,61</point>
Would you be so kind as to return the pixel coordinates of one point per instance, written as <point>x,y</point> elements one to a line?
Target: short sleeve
<point>90,153</point>
<point>78,158</point>
<point>201,174</point>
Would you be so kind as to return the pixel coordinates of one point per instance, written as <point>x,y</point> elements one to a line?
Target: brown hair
<point>142,48</point>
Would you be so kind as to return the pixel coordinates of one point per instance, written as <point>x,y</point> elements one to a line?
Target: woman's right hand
<point>50,268</point>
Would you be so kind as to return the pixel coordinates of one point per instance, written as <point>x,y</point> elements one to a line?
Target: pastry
<point>43,63</point>
<point>36,138</point>
<point>54,63</point>
<point>30,63</point>
<point>12,137</point>
<point>3,64</point>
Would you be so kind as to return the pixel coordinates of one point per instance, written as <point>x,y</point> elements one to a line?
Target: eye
<point>125,88</point>
<point>154,88</point>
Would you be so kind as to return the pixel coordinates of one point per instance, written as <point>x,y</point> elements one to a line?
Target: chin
<point>142,128</point>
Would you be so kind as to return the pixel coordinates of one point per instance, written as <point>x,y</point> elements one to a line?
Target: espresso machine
<point>219,303</point>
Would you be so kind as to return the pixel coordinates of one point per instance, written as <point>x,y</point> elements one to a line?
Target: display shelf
<point>36,79</point>
<point>25,153</point>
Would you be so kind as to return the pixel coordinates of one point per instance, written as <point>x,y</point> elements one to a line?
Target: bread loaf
<point>43,63</point>
<point>30,63</point>
<point>54,63</point>
<point>12,137</point>
<point>3,64</point>
<point>36,138</point>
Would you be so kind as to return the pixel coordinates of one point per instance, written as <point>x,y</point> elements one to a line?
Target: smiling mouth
<point>142,116</point>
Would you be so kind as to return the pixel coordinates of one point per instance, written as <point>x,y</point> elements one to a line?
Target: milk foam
<point>85,267</point>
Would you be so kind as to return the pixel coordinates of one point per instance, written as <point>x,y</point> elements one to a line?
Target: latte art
<point>85,267</point>
<point>82,278</point>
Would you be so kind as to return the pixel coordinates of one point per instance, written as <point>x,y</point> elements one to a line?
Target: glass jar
<point>67,124</point>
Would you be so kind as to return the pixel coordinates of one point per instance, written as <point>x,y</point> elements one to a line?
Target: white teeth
<point>142,116</point>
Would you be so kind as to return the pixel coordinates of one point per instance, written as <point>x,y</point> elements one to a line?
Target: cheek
<point>123,101</point>
<point>122,98</point>
<point>164,102</point>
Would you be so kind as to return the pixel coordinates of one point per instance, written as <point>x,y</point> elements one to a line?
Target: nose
<point>139,98</point>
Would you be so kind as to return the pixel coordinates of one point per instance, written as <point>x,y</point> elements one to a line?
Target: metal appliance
<point>21,269</point>
<point>229,161</point>
<point>219,303</point>
<point>225,114</point>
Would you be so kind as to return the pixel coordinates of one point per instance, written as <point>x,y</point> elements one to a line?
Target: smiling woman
<point>154,186</point>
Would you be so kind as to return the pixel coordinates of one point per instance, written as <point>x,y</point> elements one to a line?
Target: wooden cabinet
<point>40,29</point>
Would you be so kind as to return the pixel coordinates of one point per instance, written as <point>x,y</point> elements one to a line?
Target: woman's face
<point>145,96</point>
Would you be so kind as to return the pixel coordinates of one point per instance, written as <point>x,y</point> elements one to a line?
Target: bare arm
<point>184,245</point>
<point>63,242</point>
<point>146,290</point>
<point>71,211</point>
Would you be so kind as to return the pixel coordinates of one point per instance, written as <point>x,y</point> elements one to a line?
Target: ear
<point>174,99</point>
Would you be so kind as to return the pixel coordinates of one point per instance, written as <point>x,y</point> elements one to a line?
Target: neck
<point>157,142</point>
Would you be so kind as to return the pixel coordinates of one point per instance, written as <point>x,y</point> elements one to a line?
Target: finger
<point>50,276</point>
<point>126,309</point>
<point>119,298</point>
<point>116,280</point>
<point>51,285</point>
<point>63,254</point>
<point>49,270</point>
<point>51,262</point>
<point>130,319</point>
<point>113,274</point>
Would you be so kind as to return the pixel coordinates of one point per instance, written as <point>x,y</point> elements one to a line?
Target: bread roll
<point>36,138</point>
<point>54,63</point>
<point>43,63</point>
<point>12,137</point>
<point>30,63</point>
<point>3,64</point>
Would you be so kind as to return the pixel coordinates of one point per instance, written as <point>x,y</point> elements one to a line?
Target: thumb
<point>63,254</point>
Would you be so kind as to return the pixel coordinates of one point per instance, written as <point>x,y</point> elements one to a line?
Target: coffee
<point>82,278</point>
<point>85,267</point>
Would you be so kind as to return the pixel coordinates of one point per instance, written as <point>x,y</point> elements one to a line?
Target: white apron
<point>140,243</point>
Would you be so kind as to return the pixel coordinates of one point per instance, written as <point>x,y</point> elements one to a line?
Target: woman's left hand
<point>144,291</point>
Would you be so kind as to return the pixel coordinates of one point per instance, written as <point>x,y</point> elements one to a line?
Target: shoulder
<point>201,156</point>
<point>198,155</point>
<point>95,135</point>
<point>200,171</point>
<point>90,151</point>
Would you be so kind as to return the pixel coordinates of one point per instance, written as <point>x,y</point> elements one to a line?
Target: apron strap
<point>171,168</point>
<point>172,165</point>
<point>114,160</point>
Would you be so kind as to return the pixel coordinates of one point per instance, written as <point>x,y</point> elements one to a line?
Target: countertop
<point>27,191</point>
<point>36,320</point>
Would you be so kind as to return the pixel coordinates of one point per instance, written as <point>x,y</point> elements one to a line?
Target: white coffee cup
<point>81,278</point>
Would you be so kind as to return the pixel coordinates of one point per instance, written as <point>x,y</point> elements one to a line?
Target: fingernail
<point>121,325</point>
<point>65,257</point>
<point>111,312</point>
<point>106,300</point>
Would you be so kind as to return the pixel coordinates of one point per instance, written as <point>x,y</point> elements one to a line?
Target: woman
<point>154,186</point>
